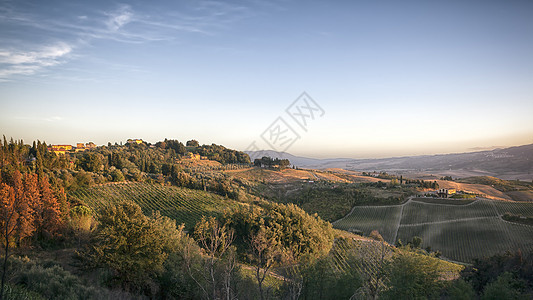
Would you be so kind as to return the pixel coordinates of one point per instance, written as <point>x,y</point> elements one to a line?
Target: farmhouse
<point>445,193</point>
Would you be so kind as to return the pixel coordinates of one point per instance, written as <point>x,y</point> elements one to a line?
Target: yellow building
<point>135,141</point>
<point>190,155</point>
<point>60,149</point>
<point>446,192</point>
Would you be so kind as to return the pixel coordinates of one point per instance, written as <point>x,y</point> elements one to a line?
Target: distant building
<point>90,145</point>
<point>445,193</point>
<point>60,149</point>
<point>190,155</point>
<point>135,141</point>
<point>80,147</point>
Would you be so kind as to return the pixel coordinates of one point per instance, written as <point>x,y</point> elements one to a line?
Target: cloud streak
<point>57,37</point>
<point>18,62</point>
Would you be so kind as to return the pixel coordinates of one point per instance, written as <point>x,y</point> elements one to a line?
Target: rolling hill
<point>507,163</point>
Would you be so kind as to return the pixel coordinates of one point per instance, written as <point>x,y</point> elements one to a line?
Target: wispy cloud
<point>19,62</point>
<point>120,17</point>
<point>58,37</point>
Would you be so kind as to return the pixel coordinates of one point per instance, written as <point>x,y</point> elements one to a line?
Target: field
<point>462,231</point>
<point>181,204</point>
<point>369,254</point>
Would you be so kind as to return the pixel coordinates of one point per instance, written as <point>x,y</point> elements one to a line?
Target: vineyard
<point>462,231</point>
<point>181,204</point>
<point>368,258</point>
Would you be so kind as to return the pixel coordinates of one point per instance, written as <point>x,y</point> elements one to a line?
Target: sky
<point>357,79</point>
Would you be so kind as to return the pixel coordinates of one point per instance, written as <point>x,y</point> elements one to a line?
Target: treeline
<point>269,162</point>
<point>395,179</point>
<point>160,163</point>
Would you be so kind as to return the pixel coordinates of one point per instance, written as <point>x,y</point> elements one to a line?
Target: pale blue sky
<point>393,77</point>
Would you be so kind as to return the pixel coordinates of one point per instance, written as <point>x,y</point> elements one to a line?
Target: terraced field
<point>462,231</point>
<point>182,204</point>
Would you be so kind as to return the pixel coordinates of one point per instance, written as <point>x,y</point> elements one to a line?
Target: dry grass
<point>521,195</point>
<point>484,190</point>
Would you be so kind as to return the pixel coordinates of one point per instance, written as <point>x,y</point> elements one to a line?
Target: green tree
<point>117,175</point>
<point>215,239</point>
<point>461,290</point>
<point>192,143</point>
<point>90,162</point>
<point>133,246</point>
<point>264,253</point>
<point>505,287</point>
<point>412,277</point>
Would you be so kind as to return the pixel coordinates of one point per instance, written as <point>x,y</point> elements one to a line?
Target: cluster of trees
<point>423,184</point>
<point>154,257</point>
<point>29,210</point>
<point>502,276</point>
<point>269,162</point>
<point>222,154</point>
<point>400,180</point>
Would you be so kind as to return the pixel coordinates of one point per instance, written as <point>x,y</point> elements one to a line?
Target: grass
<point>499,184</point>
<point>181,204</point>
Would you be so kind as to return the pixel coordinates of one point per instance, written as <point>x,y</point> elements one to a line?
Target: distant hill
<point>507,163</point>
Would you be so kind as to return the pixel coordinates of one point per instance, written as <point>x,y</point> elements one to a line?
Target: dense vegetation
<point>145,221</point>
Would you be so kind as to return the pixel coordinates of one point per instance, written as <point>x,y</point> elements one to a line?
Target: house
<point>60,149</point>
<point>190,155</point>
<point>445,193</point>
<point>80,147</point>
<point>135,141</point>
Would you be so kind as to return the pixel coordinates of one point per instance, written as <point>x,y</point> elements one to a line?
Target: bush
<point>51,281</point>
<point>117,175</point>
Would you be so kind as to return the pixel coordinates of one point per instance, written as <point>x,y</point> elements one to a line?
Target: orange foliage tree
<point>47,212</point>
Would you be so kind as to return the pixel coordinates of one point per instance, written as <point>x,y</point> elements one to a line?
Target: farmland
<point>461,231</point>
<point>181,204</point>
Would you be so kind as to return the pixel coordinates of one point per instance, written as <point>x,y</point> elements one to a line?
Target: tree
<point>506,286</point>
<point>264,253</point>
<point>416,242</point>
<point>215,239</point>
<point>412,277</point>
<point>8,222</point>
<point>461,290</point>
<point>192,143</point>
<point>90,162</point>
<point>47,212</point>
<point>81,221</point>
<point>117,175</point>
<point>28,193</point>
<point>132,245</point>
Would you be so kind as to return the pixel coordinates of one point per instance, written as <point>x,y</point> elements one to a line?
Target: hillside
<point>507,163</point>
<point>461,229</point>
<point>265,229</point>
<point>181,204</point>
